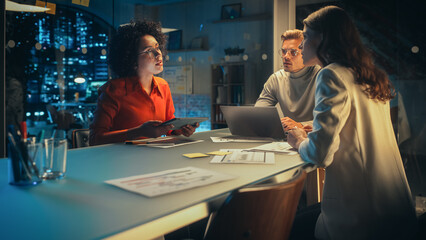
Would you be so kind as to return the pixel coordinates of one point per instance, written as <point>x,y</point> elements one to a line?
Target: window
<point>47,52</point>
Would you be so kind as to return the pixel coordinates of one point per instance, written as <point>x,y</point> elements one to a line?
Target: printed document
<point>243,156</point>
<point>277,147</point>
<point>232,138</point>
<point>159,183</point>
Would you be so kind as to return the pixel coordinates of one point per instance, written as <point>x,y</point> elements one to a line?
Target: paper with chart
<point>277,147</point>
<point>179,78</point>
<point>159,183</point>
<point>242,156</point>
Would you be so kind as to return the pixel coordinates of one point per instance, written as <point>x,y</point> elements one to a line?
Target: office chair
<point>80,138</point>
<point>62,118</point>
<point>264,211</point>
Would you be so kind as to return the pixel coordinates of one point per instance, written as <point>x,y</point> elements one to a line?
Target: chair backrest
<point>62,118</point>
<point>264,211</point>
<point>80,138</point>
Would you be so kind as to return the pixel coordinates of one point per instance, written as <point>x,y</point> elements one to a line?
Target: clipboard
<point>180,122</point>
<point>163,142</point>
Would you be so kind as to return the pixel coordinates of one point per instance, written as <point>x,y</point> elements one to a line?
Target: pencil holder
<point>23,170</point>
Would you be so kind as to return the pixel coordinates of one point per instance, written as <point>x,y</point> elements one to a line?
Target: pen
<point>21,152</point>
<point>14,158</point>
<point>32,159</point>
<point>18,155</point>
<point>137,142</point>
<point>41,134</point>
<point>20,143</point>
<point>24,130</point>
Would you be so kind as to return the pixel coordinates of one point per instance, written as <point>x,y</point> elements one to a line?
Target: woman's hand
<point>296,136</point>
<point>289,123</point>
<point>187,130</point>
<point>150,129</point>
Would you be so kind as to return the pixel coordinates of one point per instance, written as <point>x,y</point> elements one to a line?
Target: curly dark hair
<point>124,45</point>
<point>342,44</point>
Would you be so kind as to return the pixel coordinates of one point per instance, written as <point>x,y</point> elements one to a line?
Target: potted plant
<point>233,54</point>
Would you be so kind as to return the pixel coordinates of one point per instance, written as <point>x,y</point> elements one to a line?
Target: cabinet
<point>229,83</point>
<point>257,17</point>
<point>187,50</point>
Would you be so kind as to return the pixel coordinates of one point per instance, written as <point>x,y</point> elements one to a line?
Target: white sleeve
<point>332,108</point>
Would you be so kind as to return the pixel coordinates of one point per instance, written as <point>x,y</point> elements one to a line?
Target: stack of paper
<point>277,147</point>
<point>155,184</point>
<point>242,156</point>
<point>232,138</point>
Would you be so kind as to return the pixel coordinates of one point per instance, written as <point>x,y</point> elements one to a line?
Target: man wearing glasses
<point>292,87</point>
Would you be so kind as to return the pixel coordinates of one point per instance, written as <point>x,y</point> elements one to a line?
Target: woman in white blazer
<point>366,194</point>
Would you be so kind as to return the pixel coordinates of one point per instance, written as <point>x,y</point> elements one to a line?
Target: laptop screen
<point>250,121</point>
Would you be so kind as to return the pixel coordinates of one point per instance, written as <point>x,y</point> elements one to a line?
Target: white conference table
<point>82,206</point>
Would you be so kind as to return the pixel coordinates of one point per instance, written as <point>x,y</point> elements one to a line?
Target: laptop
<point>250,121</point>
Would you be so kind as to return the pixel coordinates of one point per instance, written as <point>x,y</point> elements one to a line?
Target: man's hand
<point>289,123</point>
<point>296,136</point>
<point>307,128</point>
<point>187,130</point>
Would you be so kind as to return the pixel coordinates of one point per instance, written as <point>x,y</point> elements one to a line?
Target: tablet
<point>180,122</point>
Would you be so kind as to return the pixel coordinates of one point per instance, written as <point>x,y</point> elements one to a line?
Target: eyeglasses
<point>283,52</point>
<point>152,52</point>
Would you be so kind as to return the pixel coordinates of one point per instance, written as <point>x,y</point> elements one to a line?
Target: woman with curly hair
<point>366,193</point>
<point>134,105</point>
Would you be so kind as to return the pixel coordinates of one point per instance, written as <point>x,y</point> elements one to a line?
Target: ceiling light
<point>79,78</point>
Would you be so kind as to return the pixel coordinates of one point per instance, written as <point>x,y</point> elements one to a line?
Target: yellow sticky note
<point>52,7</point>
<point>40,3</point>
<point>45,4</point>
<point>219,153</point>
<point>81,2</point>
<point>195,155</point>
<point>85,3</point>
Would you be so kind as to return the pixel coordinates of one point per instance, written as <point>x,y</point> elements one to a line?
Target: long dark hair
<point>342,44</point>
<point>124,46</point>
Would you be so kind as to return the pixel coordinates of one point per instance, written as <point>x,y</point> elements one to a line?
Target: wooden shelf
<point>227,104</point>
<point>224,123</point>
<point>230,91</point>
<point>187,50</point>
<point>257,17</point>
<point>228,84</point>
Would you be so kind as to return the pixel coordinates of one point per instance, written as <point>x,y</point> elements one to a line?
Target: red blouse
<point>124,104</point>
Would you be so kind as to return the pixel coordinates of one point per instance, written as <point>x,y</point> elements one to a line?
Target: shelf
<point>186,50</point>
<point>228,84</point>
<point>227,104</point>
<point>230,63</point>
<point>228,89</point>
<point>224,123</point>
<point>257,17</point>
